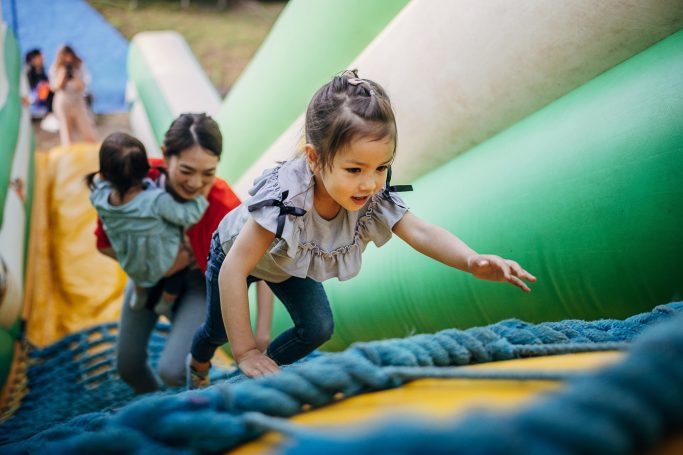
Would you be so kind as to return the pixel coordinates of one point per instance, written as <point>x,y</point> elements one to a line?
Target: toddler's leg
<point>164,307</point>
<point>172,287</point>
<point>307,304</point>
<point>138,300</point>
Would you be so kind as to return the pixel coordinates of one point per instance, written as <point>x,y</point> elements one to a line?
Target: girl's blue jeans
<point>304,299</point>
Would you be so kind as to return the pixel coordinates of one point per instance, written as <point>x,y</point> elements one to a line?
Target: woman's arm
<point>439,244</point>
<point>249,247</point>
<point>184,258</point>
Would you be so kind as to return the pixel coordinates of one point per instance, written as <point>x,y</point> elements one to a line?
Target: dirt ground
<point>105,124</point>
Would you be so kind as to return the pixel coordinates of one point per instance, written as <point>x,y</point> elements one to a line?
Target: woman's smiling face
<point>191,171</point>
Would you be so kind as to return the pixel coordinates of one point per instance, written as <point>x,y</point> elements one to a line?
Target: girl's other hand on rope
<point>494,268</point>
<point>254,363</point>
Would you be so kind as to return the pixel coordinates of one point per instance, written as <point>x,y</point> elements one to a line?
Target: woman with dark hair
<point>69,79</point>
<point>192,148</point>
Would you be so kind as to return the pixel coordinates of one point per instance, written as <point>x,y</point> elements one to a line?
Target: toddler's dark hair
<point>123,162</point>
<point>345,109</point>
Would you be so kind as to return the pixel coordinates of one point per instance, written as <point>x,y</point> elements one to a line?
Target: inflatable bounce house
<point>549,132</point>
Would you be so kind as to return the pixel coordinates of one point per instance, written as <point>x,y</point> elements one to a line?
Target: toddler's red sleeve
<point>102,241</point>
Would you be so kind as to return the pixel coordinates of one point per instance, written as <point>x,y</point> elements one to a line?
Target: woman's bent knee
<point>172,373</point>
<point>129,372</point>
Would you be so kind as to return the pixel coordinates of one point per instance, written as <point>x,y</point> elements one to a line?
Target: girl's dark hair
<point>345,109</point>
<point>123,162</point>
<point>189,130</point>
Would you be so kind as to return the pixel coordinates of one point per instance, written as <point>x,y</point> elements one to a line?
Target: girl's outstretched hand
<point>254,363</point>
<point>494,268</point>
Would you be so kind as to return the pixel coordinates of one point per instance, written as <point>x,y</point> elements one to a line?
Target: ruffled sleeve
<point>265,188</point>
<point>385,210</point>
<point>278,202</point>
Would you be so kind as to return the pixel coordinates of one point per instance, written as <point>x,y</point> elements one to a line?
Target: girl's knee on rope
<point>318,334</point>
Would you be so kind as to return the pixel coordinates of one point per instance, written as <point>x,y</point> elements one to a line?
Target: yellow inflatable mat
<point>69,284</point>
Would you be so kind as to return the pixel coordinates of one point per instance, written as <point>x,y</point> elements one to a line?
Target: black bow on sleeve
<point>389,188</point>
<point>284,211</point>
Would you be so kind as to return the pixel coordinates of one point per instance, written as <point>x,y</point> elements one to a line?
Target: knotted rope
<point>222,416</point>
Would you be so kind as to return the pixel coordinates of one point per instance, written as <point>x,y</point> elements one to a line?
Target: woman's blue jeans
<point>304,299</point>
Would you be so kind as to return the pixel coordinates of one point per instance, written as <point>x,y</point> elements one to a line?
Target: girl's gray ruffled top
<point>145,232</point>
<point>310,246</point>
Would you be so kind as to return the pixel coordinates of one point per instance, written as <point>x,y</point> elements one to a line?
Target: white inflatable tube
<point>168,81</point>
<point>13,230</point>
<point>458,72</point>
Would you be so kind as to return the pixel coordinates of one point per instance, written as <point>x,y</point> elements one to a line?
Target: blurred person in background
<point>69,80</point>
<point>40,95</point>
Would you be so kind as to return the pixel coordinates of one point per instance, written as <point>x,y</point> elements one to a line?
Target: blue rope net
<point>623,409</point>
<point>235,410</point>
<point>75,376</point>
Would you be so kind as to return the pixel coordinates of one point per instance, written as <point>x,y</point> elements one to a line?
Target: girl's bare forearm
<point>264,305</point>
<point>441,245</point>
<point>235,310</point>
<point>434,241</point>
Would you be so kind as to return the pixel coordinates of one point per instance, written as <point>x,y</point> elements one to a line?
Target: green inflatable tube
<point>10,111</point>
<point>585,193</point>
<point>158,111</point>
<point>6,355</point>
<point>310,41</point>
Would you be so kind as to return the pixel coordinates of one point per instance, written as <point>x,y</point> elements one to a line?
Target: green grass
<point>223,40</point>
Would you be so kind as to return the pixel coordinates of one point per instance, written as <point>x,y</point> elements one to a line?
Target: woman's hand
<point>62,80</point>
<point>495,268</point>
<point>184,258</point>
<point>254,363</point>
